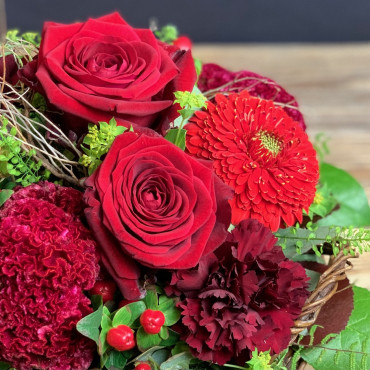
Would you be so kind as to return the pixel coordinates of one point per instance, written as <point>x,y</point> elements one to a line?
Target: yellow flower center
<point>270,142</point>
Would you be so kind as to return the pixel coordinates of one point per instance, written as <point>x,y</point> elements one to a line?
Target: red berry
<point>183,42</point>
<point>143,366</point>
<point>105,288</point>
<point>121,338</point>
<point>152,321</point>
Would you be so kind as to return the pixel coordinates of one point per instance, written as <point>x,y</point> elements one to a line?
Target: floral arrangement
<point>157,213</point>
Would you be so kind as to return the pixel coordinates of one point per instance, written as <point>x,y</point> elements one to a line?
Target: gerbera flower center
<point>270,142</point>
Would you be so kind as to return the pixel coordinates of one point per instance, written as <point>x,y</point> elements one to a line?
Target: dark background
<point>214,20</point>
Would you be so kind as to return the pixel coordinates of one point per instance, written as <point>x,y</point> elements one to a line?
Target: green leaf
<point>350,349</point>
<point>136,309</point>
<point>180,361</point>
<point>151,300</point>
<point>165,303</point>
<point>150,353</point>
<point>314,279</point>
<point>292,237</point>
<point>172,316</point>
<point>354,207</point>
<point>116,360</point>
<point>106,325</point>
<point>122,317</point>
<point>198,66</point>
<point>177,137</point>
<point>164,332</point>
<point>5,194</point>
<point>186,113</point>
<point>145,340</point>
<point>90,324</point>
<point>4,365</point>
<point>172,339</point>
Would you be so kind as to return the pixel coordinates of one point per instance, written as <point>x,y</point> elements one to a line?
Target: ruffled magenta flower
<point>47,260</point>
<point>214,76</point>
<point>244,296</point>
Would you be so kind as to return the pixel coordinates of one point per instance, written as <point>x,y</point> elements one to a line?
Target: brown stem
<point>4,68</point>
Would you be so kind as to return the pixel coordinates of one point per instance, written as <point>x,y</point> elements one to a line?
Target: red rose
<point>151,203</point>
<point>104,68</point>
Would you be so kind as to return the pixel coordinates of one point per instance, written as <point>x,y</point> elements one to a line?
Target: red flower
<point>47,259</point>
<point>104,68</point>
<point>149,203</point>
<point>244,296</point>
<point>260,152</point>
<point>213,76</point>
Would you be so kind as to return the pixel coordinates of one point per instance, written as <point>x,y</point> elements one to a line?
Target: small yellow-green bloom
<point>190,100</point>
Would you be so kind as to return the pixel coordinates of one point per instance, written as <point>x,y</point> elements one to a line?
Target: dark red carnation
<point>47,260</point>
<point>214,76</point>
<point>102,68</point>
<point>246,295</point>
<point>259,151</point>
<point>151,204</point>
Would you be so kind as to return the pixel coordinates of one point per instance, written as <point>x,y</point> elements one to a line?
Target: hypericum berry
<point>183,43</point>
<point>105,288</point>
<point>143,366</point>
<point>152,321</point>
<point>121,338</point>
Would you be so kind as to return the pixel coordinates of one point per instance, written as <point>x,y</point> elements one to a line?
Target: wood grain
<point>332,84</point>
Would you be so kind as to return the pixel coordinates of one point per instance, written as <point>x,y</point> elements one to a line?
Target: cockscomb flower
<point>47,260</point>
<point>244,296</point>
<point>259,151</point>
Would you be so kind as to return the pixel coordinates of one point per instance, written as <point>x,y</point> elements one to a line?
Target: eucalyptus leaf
<point>350,349</point>
<point>354,207</point>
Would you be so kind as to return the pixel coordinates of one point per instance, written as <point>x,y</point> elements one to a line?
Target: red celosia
<point>47,259</point>
<point>260,152</point>
<point>213,76</point>
<point>246,295</point>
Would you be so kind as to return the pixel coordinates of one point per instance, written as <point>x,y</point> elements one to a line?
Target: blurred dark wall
<point>214,20</point>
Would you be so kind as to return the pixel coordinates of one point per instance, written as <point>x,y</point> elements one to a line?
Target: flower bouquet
<point>157,213</point>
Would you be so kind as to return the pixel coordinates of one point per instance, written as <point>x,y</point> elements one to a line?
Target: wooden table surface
<point>332,84</point>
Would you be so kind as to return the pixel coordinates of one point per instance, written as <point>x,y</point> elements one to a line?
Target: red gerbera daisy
<point>260,152</point>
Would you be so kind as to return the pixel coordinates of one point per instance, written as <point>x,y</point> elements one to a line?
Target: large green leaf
<point>350,349</point>
<point>354,207</point>
<point>90,324</point>
<point>180,362</point>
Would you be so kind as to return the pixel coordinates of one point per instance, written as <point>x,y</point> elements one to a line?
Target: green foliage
<point>99,139</point>
<point>167,33</point>
<point>4,366</point>
<point>177,136</point>
<point>349,194</point>
<point>260,361</point>
<point>90,324</point>
<point>350,349</point>
<point>5,194</point>
<point>323,204</point>
<point>96,326</point>
<point>320,144</point>
<point>31,37</point>
<point>189,101</point>
<point>22,46</point>
<point>180,361</point>
<point>295,240</point>
<point>14,161</point>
